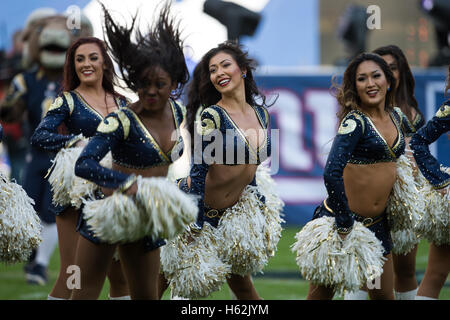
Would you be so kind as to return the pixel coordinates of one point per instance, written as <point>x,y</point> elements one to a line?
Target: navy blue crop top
<point>131,145</point>
<point>359,142</point>
<point>427,164</point>
<point>219,140</point>
<point>411,127</point>
<point>77,115</point>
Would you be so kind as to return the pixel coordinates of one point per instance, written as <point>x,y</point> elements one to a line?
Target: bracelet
<point>127,183</point>
<point>342,230</point>
<point>194,227</point>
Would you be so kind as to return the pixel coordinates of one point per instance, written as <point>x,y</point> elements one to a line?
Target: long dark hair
<point>203,93</point>
<point>71,80</point>
<point>161,47</point>
<point>346,93</point>
<point>404,97</point>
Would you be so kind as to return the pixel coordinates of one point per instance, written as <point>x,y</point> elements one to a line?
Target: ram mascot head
<point>48,35</point>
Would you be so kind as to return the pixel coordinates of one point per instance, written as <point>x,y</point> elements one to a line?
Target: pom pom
<point>325,259</point>
<point>19,224</point>
<point>273,209</point>
<point>241,235</point>
<point>194,269</point>
<point>63,174</point>
<point>403,241</point>
<point>168,209</point>
<point>405,203</point>
<point>433,223</point>
<point>160,210</point>
<point>114,219</point>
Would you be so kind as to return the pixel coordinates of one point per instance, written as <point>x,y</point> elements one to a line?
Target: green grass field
<point>280,281</point>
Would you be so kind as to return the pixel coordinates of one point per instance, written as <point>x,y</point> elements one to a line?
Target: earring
<point>244,76</point>
<point>389,89</point>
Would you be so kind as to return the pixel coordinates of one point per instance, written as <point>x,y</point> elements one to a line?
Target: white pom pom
<point>168,210</point>
<point>403,241</point>
<point>160,210</point>
<point>114,219</point>
<point>434,221</point>
<point>325,259</point>
<point>273,209</point>
<point>405,204</point>
<point>63,174</point>
<point>19,224</point>
<point>194,270</point>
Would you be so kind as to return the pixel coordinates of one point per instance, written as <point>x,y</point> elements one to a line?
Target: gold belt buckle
<point>367,222</point>
<point>212,213</point>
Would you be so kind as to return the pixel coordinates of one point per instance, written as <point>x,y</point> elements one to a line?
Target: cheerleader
<point>138,207</point>
<point>87,98</point>
<point>405,189</point>
<point>239,223</point>
<point>348,242</point>
<point>435,222</point>
<point>404,240</point>
<point>20,227</point>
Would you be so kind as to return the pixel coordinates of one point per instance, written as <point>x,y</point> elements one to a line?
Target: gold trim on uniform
<point>125,123</point>
<point>443,111</point>
<point>69,100</point>
<point>108,125</point>
<point>206,126</point>
<point>58,102</point>
<point>347,126</point>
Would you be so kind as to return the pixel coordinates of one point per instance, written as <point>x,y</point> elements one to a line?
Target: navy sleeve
<point>46,135</point>
<point>109,133</point>
<point>420,142</point>
<point>406,125</point>
<point>349,133</point>
<point>206,132</point>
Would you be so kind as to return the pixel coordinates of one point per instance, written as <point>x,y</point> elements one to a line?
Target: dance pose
<point>348,242</point>
<point>435,221</point>
<point>404,241</point>
<point>129,213</point>
<point>238,225</point>
<point>88,97</point>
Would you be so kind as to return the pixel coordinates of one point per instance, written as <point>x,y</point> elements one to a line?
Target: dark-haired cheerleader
<point>239,224</point>
<point>88,97</point>
<point>139,207</point>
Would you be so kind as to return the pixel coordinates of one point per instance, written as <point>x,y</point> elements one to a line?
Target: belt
<point>366,221</point>
<point>214,213</point>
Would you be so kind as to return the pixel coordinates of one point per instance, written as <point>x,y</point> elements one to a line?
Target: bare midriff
<point>368,187</point>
